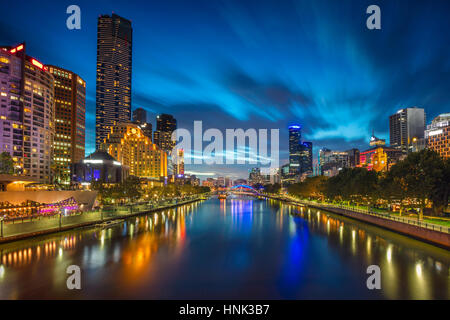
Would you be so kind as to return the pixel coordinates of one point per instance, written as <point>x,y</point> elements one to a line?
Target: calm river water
<point>239,248</point>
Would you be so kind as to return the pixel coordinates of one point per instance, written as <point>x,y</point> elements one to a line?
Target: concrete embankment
<point>435,237</point>
<point>43,227</point>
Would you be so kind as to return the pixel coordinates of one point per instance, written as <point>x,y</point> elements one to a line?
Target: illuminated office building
<point>113,94</point>
<point>131,147</point>
<point>26,113</point>
<point>179,163</point>
<point>437,135</point>
<point>306,157</point>
<point>70,111</point>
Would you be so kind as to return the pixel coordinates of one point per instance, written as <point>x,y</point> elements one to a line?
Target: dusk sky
<point>258,64</point>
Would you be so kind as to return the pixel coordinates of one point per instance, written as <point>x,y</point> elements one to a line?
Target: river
<point>239,248</point>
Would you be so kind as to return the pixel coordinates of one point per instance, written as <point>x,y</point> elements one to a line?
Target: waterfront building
<point>27,113</point>
<point>114,62</point>
<point>70,112</point>
<point>437,135</point>
<point>99,166</point>
<point>379,157</point>
<point>140,118</point>
<point>295,136</point>
<point>332,161</point>
<point>130,146</point>
<point>166,124</point>
<point>404,126</point>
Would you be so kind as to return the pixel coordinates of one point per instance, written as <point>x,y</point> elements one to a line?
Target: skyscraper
<point>166,124</point>
<point>70,111</point>
<point>140,118</point>
<point>295,136</point>
<point>114,53</point>
<point>404,126</point>
<point>27,113</point>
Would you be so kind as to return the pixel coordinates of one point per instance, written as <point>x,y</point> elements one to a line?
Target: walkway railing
<point>387,216</point>
<point>28,225</point>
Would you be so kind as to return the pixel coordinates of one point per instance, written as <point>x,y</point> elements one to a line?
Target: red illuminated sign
<point>37,64</point>
<point>17,49</point>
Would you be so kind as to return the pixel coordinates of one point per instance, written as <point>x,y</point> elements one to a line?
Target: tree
<point>131,188</point>
<point>424,178</point>
<point>6,163</point>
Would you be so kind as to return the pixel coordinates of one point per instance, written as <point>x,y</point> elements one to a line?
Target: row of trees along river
<point>420,181</point>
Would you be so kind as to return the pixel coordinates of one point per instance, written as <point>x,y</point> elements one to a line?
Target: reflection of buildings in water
<point>47,249</point>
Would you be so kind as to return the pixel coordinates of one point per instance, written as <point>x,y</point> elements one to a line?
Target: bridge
<point>244,189</point>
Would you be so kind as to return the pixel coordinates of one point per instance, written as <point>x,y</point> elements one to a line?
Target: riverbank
<point>434,234</point>
<point>30,229</point>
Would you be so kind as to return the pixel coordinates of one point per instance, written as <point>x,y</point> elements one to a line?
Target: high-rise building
<point>70,112</point>
<point>114,53</point>
<point>404,126</point>
<point>166,124</point>
<point>27,113</point>
<point>295,136</point>
<point>127,143</point>
<point>255,176</point>
<point>140,118</point>
<point>437,135</point>
<point>306,157</point>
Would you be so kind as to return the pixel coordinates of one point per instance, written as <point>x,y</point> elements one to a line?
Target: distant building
<point>128,144</point>
<point>255,177</point>
<point>437,135</point>
<point>179,163</point>
<point>114,61</point>
<point>166,124</point>
<point>404,126</point>
<point>99,166</point>
<point>331,161</point>
<point>295,136</point>
<point>306,157</point>
<point>70,113</point>
<point>239,182</point>
<point>353,157</point>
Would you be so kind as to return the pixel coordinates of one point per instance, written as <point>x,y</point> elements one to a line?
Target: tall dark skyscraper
<point>140,118</point>
<point>114,53</point>
<point>306,157</point>
<point>295,136</point>
<point>166,124</point>
<point>140,115</point>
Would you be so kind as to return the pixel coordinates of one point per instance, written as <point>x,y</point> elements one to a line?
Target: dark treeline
<point>419,181</point>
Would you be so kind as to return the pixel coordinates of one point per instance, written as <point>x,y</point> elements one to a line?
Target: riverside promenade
<point>13,231</point>
<point>432,233</point>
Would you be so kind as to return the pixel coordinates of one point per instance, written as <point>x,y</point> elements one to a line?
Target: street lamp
<point>1,222</point>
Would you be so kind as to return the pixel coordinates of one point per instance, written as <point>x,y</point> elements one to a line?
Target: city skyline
<point>316,66</point>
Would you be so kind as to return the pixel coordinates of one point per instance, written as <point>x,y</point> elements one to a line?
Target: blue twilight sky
<point>258,64</point>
